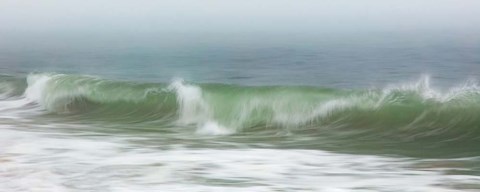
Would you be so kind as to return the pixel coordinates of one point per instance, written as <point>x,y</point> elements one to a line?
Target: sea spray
<point>193,110</point>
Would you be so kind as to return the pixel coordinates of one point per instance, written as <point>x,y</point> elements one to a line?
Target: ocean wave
<point>406,111</point>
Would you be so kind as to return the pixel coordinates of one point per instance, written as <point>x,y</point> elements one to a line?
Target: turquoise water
<point>353,114</point>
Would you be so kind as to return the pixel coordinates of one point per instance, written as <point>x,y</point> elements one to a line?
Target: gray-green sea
<point>381,114</point>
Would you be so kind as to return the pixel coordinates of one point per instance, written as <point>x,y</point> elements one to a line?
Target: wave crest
<point>404,111</point>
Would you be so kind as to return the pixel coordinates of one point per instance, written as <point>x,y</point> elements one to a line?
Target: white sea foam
<point>75,160</point>
<point>194,110</point>
<point>16,106</point>
<point>213,128</point>
<point>37,87</point>
<point>70,163</point>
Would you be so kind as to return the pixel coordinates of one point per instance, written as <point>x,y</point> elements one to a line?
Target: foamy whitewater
<point>66,132</point>
<point>240,96</point>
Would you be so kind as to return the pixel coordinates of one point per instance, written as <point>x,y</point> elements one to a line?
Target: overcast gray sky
<point>33,17</point>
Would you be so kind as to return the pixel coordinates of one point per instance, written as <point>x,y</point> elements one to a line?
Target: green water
<point>341,114</point>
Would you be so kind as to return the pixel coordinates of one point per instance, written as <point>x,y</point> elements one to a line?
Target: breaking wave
<point>408,111</point>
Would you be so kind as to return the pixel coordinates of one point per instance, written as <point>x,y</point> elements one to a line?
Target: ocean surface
<point>335,115</point>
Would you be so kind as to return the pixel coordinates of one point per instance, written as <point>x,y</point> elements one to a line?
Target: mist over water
<point>240,95</point>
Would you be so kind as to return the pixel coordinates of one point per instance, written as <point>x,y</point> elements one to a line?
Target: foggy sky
<point>30,18</point>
